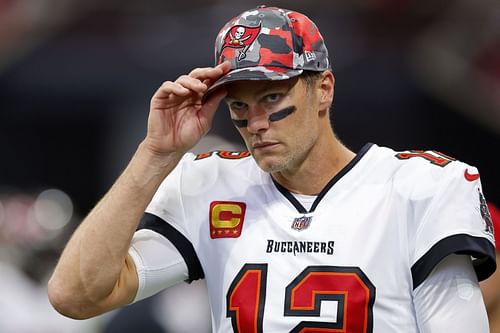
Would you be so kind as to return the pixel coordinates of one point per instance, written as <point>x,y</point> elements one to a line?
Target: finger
<point>205,73</point>
<point>211,73</point>
<point>192,84</point>
<point>225,67</point>
<point>168,88</point>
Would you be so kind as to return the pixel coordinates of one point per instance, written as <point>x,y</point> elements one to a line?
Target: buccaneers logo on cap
<point>240,37</point>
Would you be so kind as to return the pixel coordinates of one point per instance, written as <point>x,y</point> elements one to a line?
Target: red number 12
<point>349,286</point>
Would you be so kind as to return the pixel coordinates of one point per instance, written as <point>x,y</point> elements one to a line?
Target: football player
<point>297,234</point>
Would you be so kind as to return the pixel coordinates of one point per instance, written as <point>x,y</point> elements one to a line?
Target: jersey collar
<point>300,208</point>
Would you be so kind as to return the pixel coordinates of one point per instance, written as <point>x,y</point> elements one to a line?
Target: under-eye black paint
<point>283,113</point>
<point>276,116</point>
<point>240,123</point>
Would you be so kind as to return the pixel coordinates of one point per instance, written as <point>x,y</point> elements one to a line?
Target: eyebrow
<point>276,116</point>
<point>267,85</point>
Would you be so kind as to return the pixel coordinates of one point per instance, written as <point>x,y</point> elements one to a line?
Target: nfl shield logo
<point>301,223</point>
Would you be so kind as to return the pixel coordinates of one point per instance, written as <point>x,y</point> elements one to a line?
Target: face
<point>278,121</point>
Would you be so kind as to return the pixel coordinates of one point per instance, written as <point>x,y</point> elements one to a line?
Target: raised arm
<point>95,274</point>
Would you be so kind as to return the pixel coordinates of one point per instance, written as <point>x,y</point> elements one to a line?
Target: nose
<point>258,120</point>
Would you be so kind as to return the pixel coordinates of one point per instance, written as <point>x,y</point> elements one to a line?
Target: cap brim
<point>256,73</point>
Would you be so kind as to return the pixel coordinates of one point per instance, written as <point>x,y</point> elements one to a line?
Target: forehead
<point>249,88</point>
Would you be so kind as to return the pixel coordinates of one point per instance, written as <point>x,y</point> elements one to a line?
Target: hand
<point>178,119</point>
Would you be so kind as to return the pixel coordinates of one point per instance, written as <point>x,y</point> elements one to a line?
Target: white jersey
<point>350,263</point>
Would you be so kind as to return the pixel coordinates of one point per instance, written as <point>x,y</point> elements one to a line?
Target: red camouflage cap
<point>269,43</point>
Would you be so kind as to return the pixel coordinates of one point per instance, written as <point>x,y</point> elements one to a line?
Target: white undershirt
<point>305,200</point>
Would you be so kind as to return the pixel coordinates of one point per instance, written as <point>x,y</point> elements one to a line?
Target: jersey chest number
<point>348,286</point>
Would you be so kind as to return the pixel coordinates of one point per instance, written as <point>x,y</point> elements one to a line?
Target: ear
<point>326,86</point>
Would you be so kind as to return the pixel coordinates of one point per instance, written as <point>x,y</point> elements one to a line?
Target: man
<point>303,235</point>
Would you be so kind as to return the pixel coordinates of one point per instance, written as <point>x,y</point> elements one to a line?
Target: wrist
<point>157,154</point>
<point>153,164</point>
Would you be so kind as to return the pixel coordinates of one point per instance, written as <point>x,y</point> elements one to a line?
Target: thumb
<point>211,105</point>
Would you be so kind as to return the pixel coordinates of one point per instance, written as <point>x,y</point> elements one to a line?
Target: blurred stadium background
<point>75,82</point>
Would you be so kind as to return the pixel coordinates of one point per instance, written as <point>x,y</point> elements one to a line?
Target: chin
<point>270,165</point>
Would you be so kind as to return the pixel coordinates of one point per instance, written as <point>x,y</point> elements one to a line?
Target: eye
<point>273,98</point>
<point>237,106</point>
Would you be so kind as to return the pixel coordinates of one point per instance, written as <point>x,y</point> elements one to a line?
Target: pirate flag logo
<point>485,214</point>
<point>240,37</point>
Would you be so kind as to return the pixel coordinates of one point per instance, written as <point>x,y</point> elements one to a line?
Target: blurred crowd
<point>75,82</point>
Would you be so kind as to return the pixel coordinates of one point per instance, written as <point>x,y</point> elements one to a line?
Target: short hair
<point>310,77</point>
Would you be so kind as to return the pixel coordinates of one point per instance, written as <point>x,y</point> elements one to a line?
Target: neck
<point>324,161</point>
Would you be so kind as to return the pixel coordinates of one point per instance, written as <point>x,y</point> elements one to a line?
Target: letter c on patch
<point>226,219</point>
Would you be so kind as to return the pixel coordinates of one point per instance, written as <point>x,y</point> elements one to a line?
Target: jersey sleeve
<point>454,219</point>
<point>165,215</point>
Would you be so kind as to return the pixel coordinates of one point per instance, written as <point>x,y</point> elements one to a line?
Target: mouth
<point>264,145</point>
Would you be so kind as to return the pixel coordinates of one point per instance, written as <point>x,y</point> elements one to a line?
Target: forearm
<point>92,262</point>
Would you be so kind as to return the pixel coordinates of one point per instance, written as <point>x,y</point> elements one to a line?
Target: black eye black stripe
<point>240,122</point>
<point>278,115</point>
